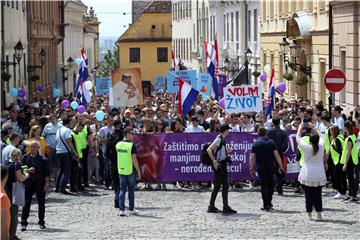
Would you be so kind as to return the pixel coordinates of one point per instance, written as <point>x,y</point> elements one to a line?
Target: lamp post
<point>295,50</point>
<point>248,55</point>
<point>19,49</point>
<point>32,68</point>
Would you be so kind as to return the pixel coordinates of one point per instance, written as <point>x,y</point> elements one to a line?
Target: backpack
<point>205,158</point>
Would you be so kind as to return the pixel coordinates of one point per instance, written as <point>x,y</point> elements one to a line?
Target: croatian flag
<point>173,61</point>
<point>187,96</point>
<point>270,102</point>
<point>82,92</point>
<point>213,67</point>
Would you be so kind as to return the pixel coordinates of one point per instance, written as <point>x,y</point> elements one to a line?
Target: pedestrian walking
<point>312,173</point>
<point>218,154</point>
<point>265,153</point>
<point>129,171</point>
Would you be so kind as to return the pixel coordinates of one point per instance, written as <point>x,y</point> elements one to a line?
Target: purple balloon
<point>21,92</point>
<point>281,87</point>
<point>23,101</point>
<point>81,109</point>
<point>263,77</point>
<point>222,103</point>
<point>40,88</point>
<point>65,103</point>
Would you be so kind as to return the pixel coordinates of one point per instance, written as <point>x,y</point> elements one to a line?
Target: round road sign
<point>335,80</point>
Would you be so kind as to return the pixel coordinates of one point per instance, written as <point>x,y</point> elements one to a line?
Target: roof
<point>158,7</point>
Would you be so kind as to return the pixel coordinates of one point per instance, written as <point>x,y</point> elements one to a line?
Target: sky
<point>110,14</point>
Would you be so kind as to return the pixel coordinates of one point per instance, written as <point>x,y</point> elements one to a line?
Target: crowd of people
<point>44,144</point>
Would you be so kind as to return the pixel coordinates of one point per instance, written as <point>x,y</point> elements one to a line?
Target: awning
<point>299,25</point>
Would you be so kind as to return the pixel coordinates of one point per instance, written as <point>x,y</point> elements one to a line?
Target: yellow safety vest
<point>334,154</point>
<point>83,137</point>
<point>354,150</point>
<point>302,158</point>
<point>327,141</point>
<point>77,140</point>
<point>124,158</point>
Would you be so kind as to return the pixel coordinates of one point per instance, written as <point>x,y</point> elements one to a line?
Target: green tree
<point>111,61</point>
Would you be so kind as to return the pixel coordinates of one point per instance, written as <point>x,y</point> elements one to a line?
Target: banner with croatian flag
<point>270,102</point>
<point>82,93</point>
<point>212,66</point>
<point>186,97</point>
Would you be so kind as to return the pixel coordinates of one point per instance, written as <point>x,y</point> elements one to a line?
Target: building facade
<point>146,44</point>
<point>346,50</point>
<point>91,41</point>
<point>45,32</point>
<point>13,30</point>
<point>307,22</point>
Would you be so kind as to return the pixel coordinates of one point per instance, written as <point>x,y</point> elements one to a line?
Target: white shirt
<point>321,127</point>
<point>339,122</point>
<point>191,128</point>
<point>62,134</point>
<point>268,123</point>
<point>312,173</point>
<point>5,156</point>
<point>122,96</point>
<point>235,128</point>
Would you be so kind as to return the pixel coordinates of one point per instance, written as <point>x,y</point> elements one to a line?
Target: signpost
<point>335,80</point>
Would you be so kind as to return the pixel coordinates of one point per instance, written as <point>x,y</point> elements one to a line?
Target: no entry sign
<point>335,80</point>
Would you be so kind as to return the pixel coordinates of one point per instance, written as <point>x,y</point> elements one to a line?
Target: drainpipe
<point>3,93</point>
<point>331,95</point>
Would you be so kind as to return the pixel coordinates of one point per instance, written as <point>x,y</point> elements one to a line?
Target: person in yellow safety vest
<point>84,134</point>
<point>350,161</point>
<point>75,176</point>
<point>126,162</point>
<point>335,153</point>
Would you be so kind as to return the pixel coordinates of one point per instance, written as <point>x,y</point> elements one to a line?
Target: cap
<point>224,127</point>
<point>194,118</point>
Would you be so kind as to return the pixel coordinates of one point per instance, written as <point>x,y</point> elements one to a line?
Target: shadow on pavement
<point>334,210</point>
<point>291,196</point>
<point>141,215</point>
<point>237,216</point>
<point>338,221</point>
<point>56,200</point>
<point>153,208</point>
<point>284,211</point>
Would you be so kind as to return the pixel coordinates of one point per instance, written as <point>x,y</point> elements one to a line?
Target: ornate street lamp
<point>248,55</point>
<point>19,49</point>
<point>42,57</point>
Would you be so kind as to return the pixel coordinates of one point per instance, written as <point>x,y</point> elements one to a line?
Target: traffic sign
<point>335,80</point>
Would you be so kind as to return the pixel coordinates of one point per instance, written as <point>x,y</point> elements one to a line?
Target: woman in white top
<point>312,174</point>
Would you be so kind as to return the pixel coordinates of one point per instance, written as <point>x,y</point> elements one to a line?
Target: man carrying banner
<point>220,160</point>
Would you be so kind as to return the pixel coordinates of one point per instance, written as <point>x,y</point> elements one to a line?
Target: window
<point>237,25</point>
<point>227,27</point>
<point>12,4</point>
<point>17,4</point>
<point>342,93</point>
<point>255,26</point>
<point>224,28</point>
<point>134,55</point>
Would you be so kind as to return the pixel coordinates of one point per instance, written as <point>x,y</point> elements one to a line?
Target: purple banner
<point>168,157</point>
<point>222,84</point>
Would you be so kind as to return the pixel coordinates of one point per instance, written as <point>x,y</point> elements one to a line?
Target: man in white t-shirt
<point>125,93</point>
<point>338,119</point>
<point>194,126</point>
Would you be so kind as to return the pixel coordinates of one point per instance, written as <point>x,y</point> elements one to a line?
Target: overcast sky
<point>111,15</point>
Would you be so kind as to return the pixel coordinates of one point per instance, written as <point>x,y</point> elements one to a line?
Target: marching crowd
<point>44,144</point>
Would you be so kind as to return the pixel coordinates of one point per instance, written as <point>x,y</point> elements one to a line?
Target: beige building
<point>91,41</point>
<point>307,22</point>
<point>346,51</point>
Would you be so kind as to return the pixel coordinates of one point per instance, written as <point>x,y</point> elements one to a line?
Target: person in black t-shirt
<point>264,151</point>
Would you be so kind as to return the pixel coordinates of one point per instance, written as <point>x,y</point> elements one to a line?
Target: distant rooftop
<point>158,7</point>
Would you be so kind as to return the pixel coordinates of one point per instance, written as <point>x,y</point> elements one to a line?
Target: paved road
<point>182,215</point>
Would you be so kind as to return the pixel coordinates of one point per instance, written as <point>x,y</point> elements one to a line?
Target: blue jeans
<point>65,169</point>
<point>127,182</point>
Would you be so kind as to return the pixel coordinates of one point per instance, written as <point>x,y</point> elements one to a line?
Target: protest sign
<point>203,84</point>
<point>160,83</point>
<point>102,86</point>
<point>170,157</point>
<point>188,76</point>
<point>222,83</point>
<point>244,98</point>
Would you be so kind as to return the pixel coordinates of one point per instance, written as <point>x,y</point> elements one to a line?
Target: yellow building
<point>306,22</point>
<point>147,42</point>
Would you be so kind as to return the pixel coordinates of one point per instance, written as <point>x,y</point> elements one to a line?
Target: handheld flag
<point>82,93</point>
<point>173,61</point>
<point>211,63</point>
<point>270,103</point>
<point>187,96</point>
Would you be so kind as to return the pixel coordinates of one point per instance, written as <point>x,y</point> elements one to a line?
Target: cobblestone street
<point>175,214</point>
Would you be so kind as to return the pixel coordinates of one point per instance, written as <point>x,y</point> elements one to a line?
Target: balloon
<point>88,85</point>
<point>78,61</point>
<point>14,92</point>
<point>56,92</point>
<point>263,77</point>
<point>281,87</point>
<point>222,103</point>
<point>21,92</point>
<point>81,109</point>
<point>65,103</point>
<point>40,88</point>
<point>74,105</point>
<point>100,115</point>
<point>23,101</point>
<point>267,69</point>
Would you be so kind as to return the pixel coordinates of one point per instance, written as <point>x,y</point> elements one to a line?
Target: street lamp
<point>19,49</point>
<point>295,50</point>
<point>248,55</point>
<point>42,57</point>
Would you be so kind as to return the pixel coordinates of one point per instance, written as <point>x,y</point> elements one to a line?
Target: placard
<point>244,98</point>
<point>188,76</point>
<point>102,86</point>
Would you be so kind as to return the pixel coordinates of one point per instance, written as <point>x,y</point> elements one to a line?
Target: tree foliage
<point>111,61</point>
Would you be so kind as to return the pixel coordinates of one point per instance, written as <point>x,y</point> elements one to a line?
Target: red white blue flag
<point>82,93</point>
<point>270,102</point>
<point>187,96</point>
<point>173,61</point>
<point>212,59</point>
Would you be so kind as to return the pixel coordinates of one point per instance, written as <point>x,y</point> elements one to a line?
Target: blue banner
<point>188,76</point>
<point>203,84</point>
<point>102,86</point>
<point>160,83</point>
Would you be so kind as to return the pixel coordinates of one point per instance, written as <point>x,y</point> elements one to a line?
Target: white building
<point>13,30</point>
<point>235,24</point>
